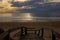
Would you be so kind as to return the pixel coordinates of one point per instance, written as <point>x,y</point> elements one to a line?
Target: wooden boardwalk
<point>43,34</point>
<point>30,36</point>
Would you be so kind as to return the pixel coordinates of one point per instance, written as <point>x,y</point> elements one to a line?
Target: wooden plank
<point>2,35</point>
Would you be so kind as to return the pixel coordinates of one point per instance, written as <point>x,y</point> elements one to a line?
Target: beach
<point>11,25</point>
<point>48,26</point>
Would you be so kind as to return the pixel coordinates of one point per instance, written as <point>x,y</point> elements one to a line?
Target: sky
<point>55,0</point>
<point>29,0</point>
<point>32,7</point>
<point>49,0</point>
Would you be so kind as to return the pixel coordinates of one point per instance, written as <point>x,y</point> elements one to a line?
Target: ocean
<point>27,17</point>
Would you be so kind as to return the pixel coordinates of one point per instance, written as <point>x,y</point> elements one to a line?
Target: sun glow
<point>22,0</point>
<point>26,16</point>
<point>6,7</point>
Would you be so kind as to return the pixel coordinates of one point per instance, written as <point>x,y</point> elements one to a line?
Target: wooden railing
<point>6,35</point>
<point>24,31</point>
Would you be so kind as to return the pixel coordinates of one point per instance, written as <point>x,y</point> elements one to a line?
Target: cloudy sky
<point>30,9</point>
<point>34,7</point>
<point>29,0</point>
<point>55,0</point>
<point>49,0</point>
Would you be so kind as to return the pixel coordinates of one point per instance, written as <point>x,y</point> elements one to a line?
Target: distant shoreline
<point>33,19</point>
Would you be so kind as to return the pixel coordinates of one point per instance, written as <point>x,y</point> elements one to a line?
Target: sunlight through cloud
<point>26,16</point>
<point>22,0</point>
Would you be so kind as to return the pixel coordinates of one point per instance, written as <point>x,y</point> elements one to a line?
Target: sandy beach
<point>9,25</point>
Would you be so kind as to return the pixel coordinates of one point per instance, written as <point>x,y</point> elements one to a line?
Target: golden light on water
<point>6,15</point>
<point>26,16</point>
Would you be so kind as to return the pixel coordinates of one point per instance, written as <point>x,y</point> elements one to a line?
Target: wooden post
<point>53,36</point>
<point>38,32</point>
<point>23,31</point>
<point>42,34</point>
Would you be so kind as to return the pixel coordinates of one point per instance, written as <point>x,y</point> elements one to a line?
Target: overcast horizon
<point>29,9</point>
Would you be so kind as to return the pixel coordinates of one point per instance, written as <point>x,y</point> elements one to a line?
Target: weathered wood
<point>53,36</point>
<point>2,35</point>
<point>42,34</point>
<point>23,31</point>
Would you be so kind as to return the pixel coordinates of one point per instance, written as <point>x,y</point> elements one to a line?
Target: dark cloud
<point>16,4</point>
<point>47,9</point>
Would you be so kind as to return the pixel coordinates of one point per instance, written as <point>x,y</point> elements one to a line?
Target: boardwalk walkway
<point>43,34</point>
<point>29,36</point>
<point>32,36</point>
